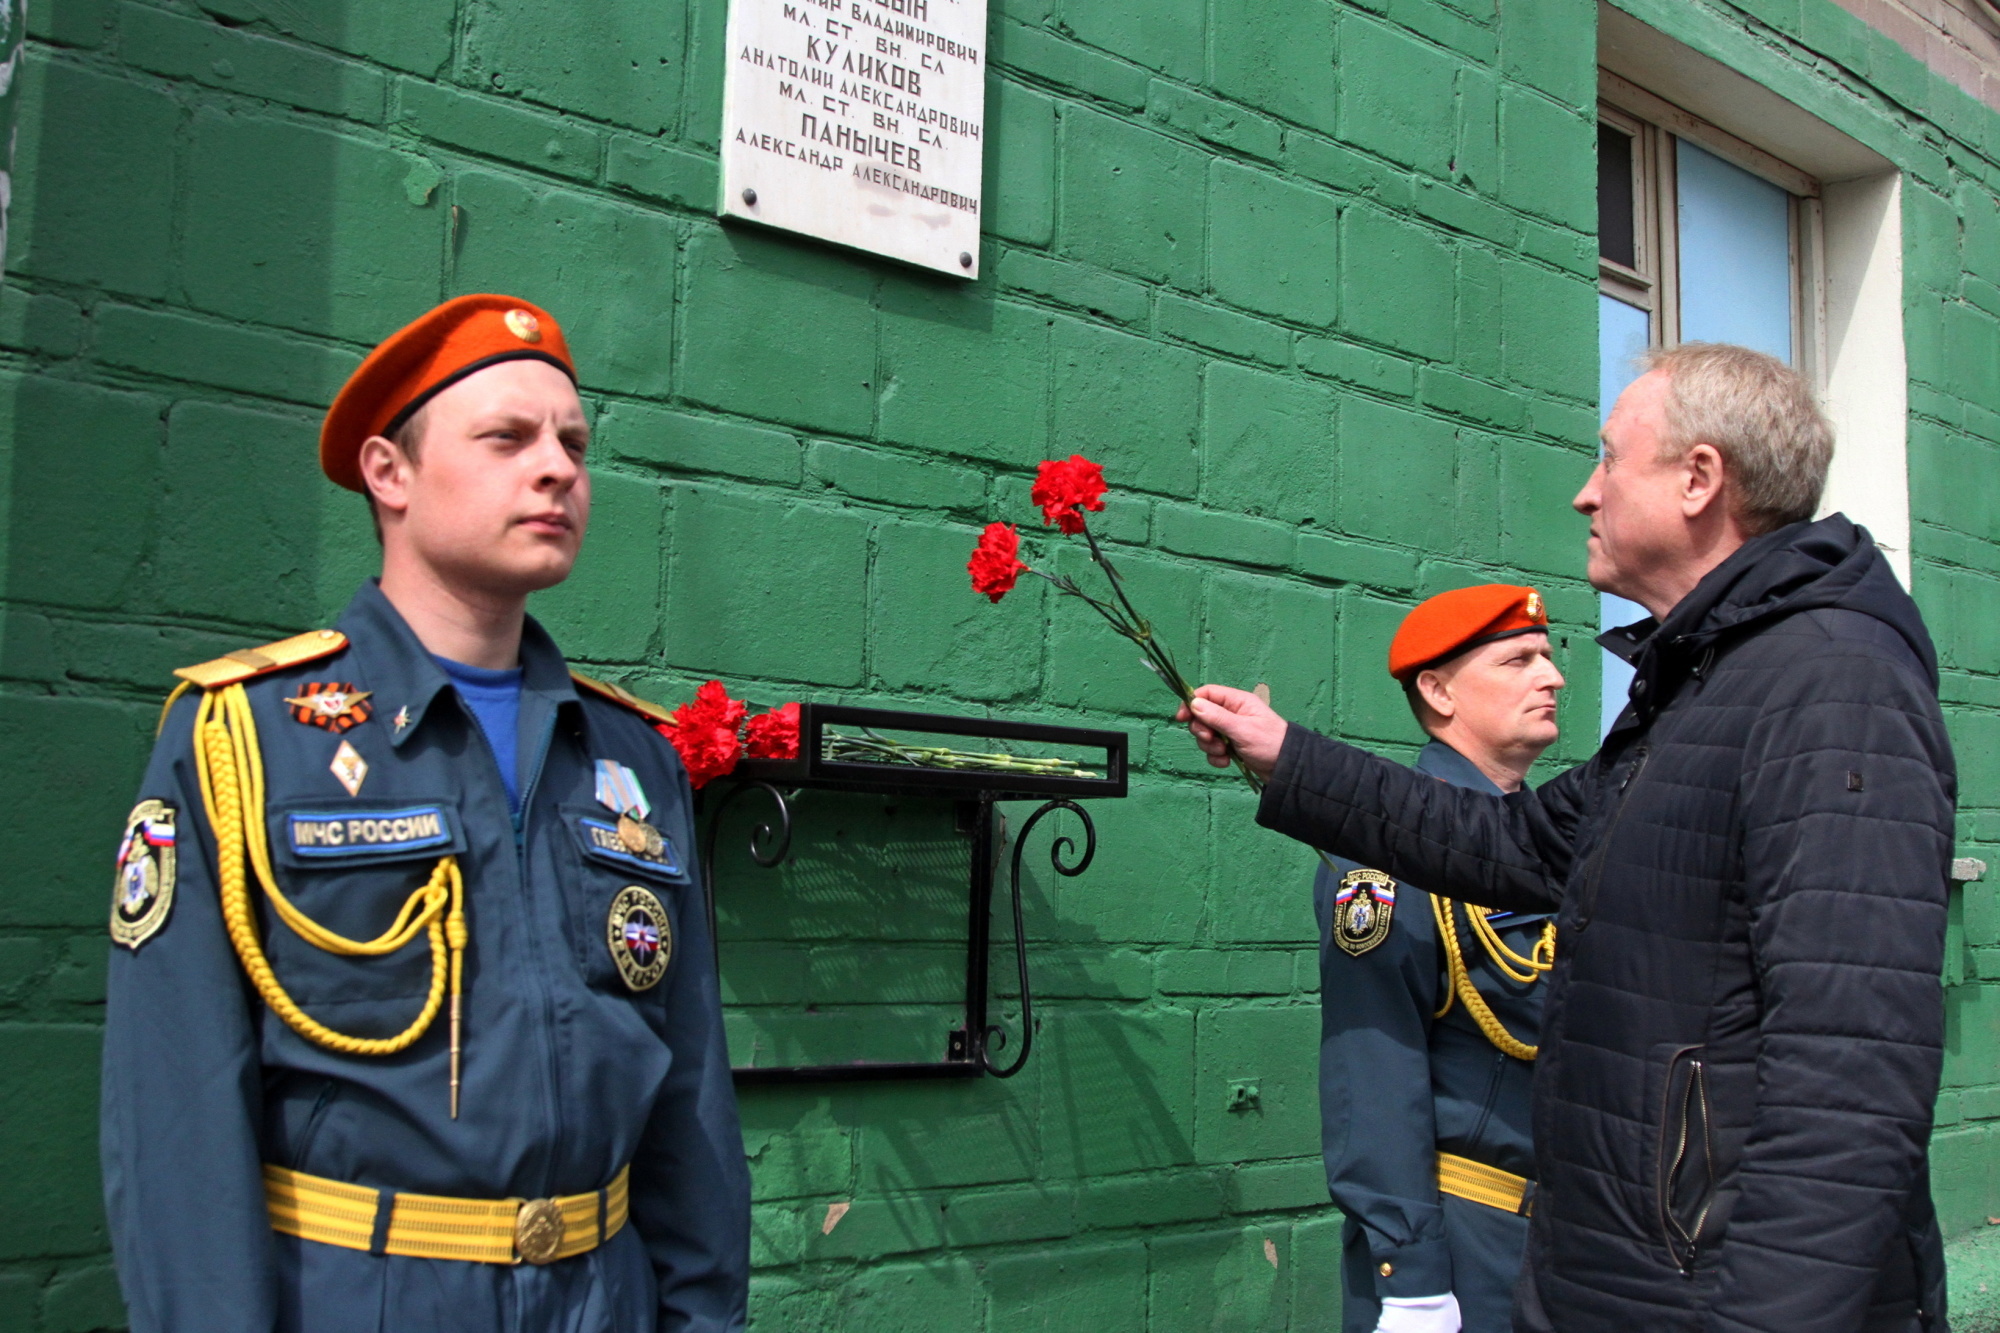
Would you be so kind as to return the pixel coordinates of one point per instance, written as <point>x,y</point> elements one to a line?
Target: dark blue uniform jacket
<point>1397,1085</point>
<point>568,1075</point>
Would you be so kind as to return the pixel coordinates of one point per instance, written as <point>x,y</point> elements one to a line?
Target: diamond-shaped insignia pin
<point>349,767</point>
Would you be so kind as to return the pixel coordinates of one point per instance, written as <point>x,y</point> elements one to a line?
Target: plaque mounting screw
<point>965,259</point>
<point>750,198</point>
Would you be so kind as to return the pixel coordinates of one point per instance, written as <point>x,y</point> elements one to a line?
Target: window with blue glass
<point>1700,238</point>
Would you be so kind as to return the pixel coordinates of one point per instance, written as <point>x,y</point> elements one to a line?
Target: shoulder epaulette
<point>618,694</point>
<point>248,663</point>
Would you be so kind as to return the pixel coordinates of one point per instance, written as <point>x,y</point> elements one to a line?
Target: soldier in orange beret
<point>1431,1008</point>
<point>413,1016</point>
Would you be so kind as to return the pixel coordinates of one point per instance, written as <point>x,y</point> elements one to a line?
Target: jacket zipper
<point>1696,1092</point>
<point>1587,901</point>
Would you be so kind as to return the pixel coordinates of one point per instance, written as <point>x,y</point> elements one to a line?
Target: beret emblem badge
<point>524,325</point>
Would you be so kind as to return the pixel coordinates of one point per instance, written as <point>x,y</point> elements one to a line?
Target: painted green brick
<point>1396,470</point>
<point>89,542</point>
<point>1132,199</point>
<point>1267,445</point>
<point>1972,339</point>
<point>1214,120</point>
<point>1097,294</point>
<point>1159,1198</point>
<point>224,354</point>
<point>1538,139</point>
<point>1279,909</point>
<point>55,868</point>
<point>1334,164</point>
<point>1538,47</point>
<point>1476,160</point>
<point>1275,245</point>
<point>1443,24</point>
<point>1275,1186</point>
<point>892,478</point>
<point>266,197</point>
<point>227,553</point>
<point>659,171</point>
<point>1323,557</point>
<point>50,1125</point>
<point>947,1134</point>
<point>244,62</point>
<point>1216,536</point>
<point>926,624</point>
<point>909,1298</point>
<point>1220,1280</point>
<point>497,127</point>
<point>1396,283</point>
<point>414,36</point>
<point>1278,57</point>
<point>1370,704</point>
<point>85,138</point>
<point>1271,1048</point>
<point>965,374</point>
<point>1165,35</point>
<point>1279,631</point>
<point>1396,97</point>
<point>754,304</point>
<point>1092,973</point>
<point>79,23</point>
<point>1544,314</point>
<point>36,323</point>
<point>683,442</point>
<point>1116,1090</point>
<point>607,61</point>
<point>1041,52</point>
<point>1315,1248</point>
<point>1476,400</point>
<point>1152,893</point>
<point>1019,200</point>
<point>1129,404</point>
<point>1000,1216</point>
<point>787,600</point>
<point>83,1300</point>
<point>1099,1287</point>
<point>528,240</point>
<point>1224,330</point>
<point>1368,367</point>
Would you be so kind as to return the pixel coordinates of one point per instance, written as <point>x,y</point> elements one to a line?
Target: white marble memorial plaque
<point>860,122</point>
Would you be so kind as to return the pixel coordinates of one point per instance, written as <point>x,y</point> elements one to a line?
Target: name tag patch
<point>317,835</point>
<point>615,842</point>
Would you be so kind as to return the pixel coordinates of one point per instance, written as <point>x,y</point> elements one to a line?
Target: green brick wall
<point>1314,281</point>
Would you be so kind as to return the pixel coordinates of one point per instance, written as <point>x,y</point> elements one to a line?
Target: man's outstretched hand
<point>1222,718</point>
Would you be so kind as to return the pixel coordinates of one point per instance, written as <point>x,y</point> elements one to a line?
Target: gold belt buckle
<point>538,1230</point>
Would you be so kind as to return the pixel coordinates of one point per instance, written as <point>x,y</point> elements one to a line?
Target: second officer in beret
<point>413,1019</point>
<point>1431,1007</point>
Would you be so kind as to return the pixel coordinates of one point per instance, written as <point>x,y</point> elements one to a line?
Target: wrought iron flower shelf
<point>856,750</point>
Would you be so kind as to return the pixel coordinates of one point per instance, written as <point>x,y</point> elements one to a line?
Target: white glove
<point>1419,1314</point>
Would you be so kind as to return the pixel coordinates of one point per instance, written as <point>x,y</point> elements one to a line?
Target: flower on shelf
<point>773,735</point>
<point>996,562</point>
<point>705,732</point>
<point>1064,487</point>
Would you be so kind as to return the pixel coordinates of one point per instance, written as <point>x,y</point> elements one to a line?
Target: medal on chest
<point>639,937</point>
<point>1363,906</point>
<point>618,790</point>
<point>335,705</point>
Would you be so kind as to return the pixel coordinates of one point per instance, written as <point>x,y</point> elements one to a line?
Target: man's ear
<point>385,471</point>
<point>1436,696</point>
<point>1702,478</point>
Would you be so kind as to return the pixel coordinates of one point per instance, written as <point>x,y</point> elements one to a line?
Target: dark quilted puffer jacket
<point>1744,1028</point>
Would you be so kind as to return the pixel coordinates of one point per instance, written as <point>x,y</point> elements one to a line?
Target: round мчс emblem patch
<point>142,891</point>
<point>639,937</point>
<point>1363,907</point>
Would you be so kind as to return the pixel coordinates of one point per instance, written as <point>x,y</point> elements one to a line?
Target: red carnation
<point>704,732</point>
<point>774,735</point>
<point>995,564</point>
<point>1063,486</point>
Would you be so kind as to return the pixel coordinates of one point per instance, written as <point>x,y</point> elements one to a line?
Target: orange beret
<point>421,359</point>
<point>1454,622</point>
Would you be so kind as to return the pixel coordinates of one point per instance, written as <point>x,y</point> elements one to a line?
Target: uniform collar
<point>402,674</point>
<point>1447,765</point>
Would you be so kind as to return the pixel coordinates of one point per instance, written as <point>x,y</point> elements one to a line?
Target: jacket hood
<point>1831,562</point>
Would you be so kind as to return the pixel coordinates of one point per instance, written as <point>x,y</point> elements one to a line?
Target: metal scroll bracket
<point>969,1048</point>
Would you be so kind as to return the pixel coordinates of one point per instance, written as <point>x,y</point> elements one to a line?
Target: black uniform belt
<point>428,1226</point>
<point>1467,1179</point>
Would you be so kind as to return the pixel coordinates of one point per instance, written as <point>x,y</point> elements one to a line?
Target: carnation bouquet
<point>1065,489</point>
